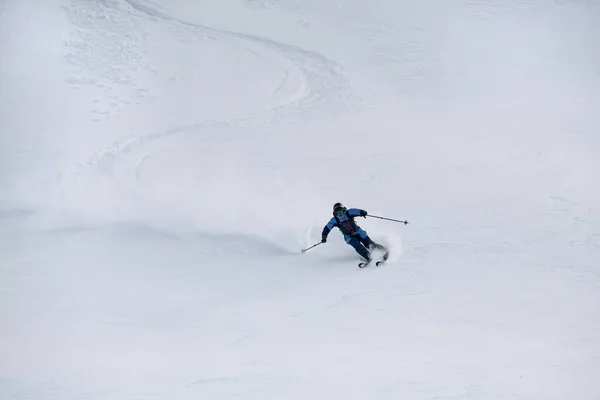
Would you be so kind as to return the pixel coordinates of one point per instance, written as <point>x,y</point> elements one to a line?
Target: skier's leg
<point>378,246</point>
<point>360,249</point>
<point>367,241</point>
<point>371,245</point>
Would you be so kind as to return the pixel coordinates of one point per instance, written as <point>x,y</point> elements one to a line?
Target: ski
<point>364,264</point>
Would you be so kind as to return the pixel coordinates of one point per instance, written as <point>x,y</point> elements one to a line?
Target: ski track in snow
<point>310,86</point>
<point>324,87</point>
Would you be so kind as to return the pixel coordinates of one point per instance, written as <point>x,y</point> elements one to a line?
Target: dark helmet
<point>339,209</point>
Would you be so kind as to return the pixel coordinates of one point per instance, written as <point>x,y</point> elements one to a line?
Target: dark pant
<point>361,245</point>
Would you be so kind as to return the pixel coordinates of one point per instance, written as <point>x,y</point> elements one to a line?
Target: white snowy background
<point>163,162</point>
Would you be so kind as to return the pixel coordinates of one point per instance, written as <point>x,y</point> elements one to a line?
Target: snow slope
<point>163,163</point>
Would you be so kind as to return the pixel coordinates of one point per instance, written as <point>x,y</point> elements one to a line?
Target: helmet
<point>339,209</point>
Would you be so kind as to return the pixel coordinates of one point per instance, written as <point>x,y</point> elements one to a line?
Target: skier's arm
<point>356,212</point>
<point>330,225</point>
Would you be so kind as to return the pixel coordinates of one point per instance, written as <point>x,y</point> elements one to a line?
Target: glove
<point>323,239</point>
<point>363,213</point>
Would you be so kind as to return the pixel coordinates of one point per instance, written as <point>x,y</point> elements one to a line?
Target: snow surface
<point>163,162</point>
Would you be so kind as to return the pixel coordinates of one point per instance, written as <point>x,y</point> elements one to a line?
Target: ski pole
<point>388,219</point>
<point>308,248</point>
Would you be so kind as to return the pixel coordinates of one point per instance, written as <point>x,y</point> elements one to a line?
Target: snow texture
<point>162,164</point>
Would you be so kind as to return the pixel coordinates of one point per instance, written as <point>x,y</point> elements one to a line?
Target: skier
<point>354,235</point>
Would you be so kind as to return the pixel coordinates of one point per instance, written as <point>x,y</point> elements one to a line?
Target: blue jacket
<point>345,223</point>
